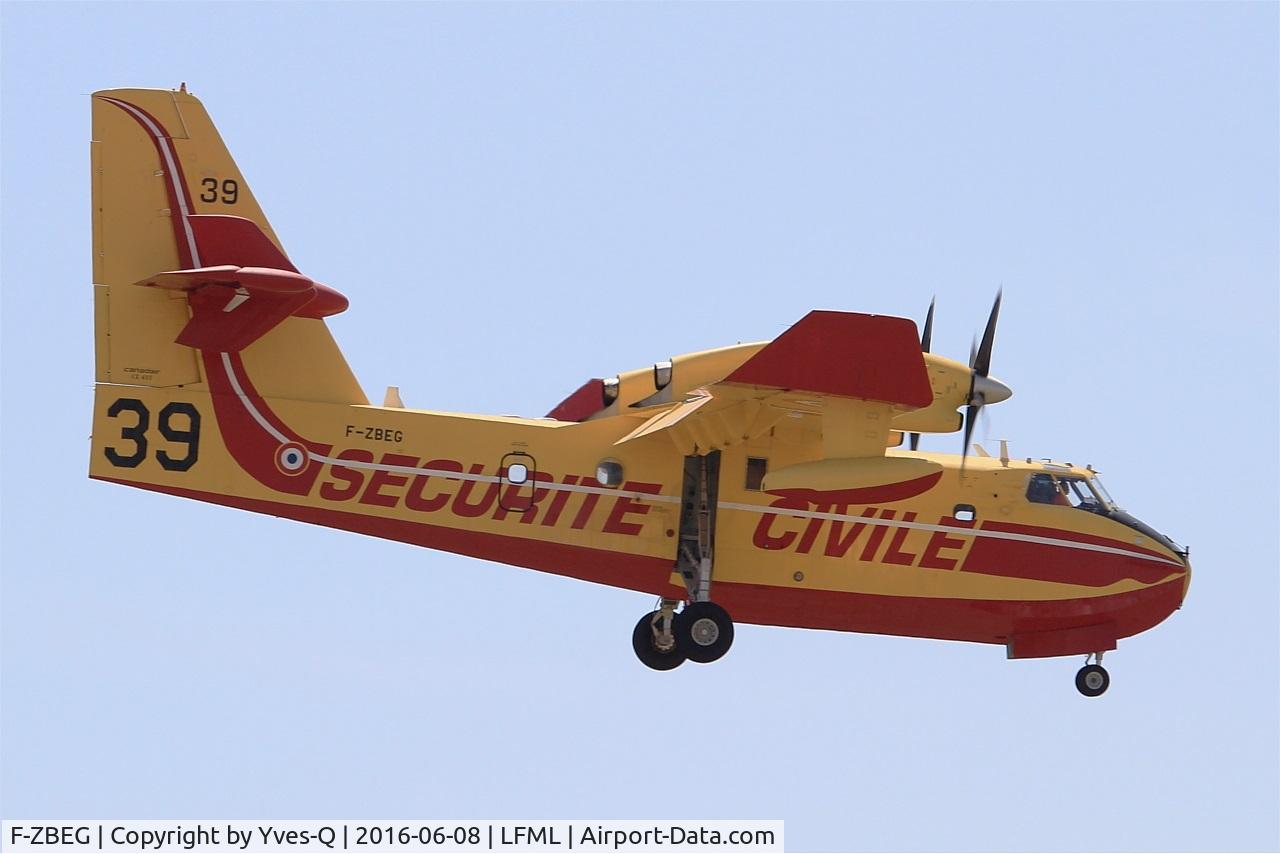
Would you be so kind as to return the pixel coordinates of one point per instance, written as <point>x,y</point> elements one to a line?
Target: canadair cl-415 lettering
<point>759,483</point>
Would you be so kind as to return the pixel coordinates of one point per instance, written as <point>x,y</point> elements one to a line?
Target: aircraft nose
<point>991,389</point>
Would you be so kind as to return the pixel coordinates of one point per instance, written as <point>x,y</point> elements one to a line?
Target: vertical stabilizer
<point>166,194</point>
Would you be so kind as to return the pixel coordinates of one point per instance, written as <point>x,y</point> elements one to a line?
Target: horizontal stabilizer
<point>247,288</point>
<point>865,356</point>
<point>223,321</point>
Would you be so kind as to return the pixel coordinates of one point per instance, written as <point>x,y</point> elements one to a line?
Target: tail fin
<point>184,260</point>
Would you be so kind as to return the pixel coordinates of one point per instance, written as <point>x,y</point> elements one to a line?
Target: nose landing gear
<point>1092,680</point>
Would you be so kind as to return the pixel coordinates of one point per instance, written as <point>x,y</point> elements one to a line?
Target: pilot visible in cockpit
<point>1044,490</point>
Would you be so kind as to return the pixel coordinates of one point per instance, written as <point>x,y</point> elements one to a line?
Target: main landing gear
<point>702,631</point>
<point>663,639</point>
<point>1092,680</point>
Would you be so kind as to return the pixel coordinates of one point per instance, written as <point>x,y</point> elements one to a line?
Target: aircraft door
<point>518,473</point>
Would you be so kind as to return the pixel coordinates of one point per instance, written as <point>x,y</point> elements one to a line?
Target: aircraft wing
<point>845,374</point>
<point>842,354</point>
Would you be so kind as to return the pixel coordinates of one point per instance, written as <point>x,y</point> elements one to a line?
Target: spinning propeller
<point>982,389</point>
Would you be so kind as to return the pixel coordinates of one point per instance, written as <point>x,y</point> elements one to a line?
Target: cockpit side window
<point>1074,492</point>
<point>1042,489</point>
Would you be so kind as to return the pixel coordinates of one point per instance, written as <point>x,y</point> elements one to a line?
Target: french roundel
<point>291,458</point>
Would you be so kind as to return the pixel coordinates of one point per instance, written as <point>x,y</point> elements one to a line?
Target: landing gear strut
<point>1092,680</point>
<point>703,631</point>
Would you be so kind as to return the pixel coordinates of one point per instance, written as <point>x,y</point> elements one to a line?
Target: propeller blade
<point>970,413</point>
<point>981,385</point>
<point>926,337</point>
<point>982,363</point>
<point>926,341</point>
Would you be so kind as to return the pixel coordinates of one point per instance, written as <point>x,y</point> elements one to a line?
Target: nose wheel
<point>1092,680</point>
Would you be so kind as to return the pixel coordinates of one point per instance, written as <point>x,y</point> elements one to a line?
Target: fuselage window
<point>756,470</point>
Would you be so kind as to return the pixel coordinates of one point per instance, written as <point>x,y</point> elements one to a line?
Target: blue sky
<point>623,183</point>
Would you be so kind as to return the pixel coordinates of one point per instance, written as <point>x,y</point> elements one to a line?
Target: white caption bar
<point>167,837</point>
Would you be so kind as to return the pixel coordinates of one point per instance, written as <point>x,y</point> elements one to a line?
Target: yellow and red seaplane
<point>759,483</point>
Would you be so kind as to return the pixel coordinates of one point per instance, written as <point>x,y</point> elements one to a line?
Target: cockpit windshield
<point>1107,500</point>
<point>1081,493</point>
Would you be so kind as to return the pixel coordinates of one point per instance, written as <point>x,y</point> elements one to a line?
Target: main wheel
<point>648,652</point>
<point>704,631</point>
<point>1092,680</point>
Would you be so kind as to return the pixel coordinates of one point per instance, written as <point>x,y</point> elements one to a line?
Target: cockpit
<point>1070,491</point>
